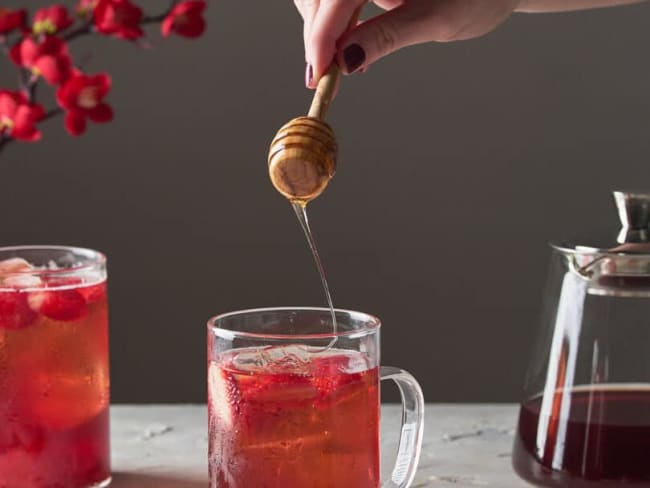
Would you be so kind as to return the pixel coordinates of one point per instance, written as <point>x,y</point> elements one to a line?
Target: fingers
<point>564,6</point>
<point>419,21</point>
<point>307,9</point>
<point>330,22</point>
<point>403,26</point>
<point>407,22</point>
<point>388,4</point>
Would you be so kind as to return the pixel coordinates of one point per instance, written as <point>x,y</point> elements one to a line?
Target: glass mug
<point>54,381</point>
<point>293,404</point>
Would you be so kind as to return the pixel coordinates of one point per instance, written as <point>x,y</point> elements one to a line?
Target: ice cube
<point>357,363</point>
<point>294,359</point>
<point>13,265</point>
<point>13,273</point>
<point>22,281</point>
<point>287,359</point>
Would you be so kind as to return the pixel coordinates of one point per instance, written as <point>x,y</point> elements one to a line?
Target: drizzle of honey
<point>301,212</point>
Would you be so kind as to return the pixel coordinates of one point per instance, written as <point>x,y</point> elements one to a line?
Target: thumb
<point>375,38</point>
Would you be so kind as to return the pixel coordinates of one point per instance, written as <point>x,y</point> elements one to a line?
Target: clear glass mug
<point>285,409</point>
<point>54,378</point>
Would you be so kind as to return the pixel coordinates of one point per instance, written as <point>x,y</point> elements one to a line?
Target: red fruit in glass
<point>592,436</point>
<point>294,424</point>
<point>54,386</point>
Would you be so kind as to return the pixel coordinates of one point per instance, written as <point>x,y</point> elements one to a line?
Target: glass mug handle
<point>410,441</point>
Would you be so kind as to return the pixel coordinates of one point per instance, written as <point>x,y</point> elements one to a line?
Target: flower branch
<point>159,18</point>
<point>40,51</point>
<point>83,29</point>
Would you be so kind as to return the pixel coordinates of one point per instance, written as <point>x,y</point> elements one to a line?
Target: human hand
<point>405,22</point>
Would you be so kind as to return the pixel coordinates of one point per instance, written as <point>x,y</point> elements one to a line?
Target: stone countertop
<point>165,446</point>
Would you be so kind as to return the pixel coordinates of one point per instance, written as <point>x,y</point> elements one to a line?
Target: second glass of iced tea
<point>54,381</point>
<point>292,404</point>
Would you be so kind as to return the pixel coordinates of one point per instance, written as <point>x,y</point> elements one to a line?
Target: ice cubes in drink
<point>292,414</point>
<point>54,380</point>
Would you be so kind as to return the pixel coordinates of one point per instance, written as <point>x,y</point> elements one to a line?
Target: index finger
<point>331,22</point>
<point>307,9</point>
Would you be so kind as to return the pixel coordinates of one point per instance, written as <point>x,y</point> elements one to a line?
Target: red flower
<point>18,117</point>
<point>12,19</point>
<point>48,58</point>
<point>82,97</point>
<point>119,18</point>
<point>85,7</point>
<point>50,20</point>
<point>185,19</point>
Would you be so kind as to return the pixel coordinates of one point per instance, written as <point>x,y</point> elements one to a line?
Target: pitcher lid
<point>620,266</point>
<point>631,235</point>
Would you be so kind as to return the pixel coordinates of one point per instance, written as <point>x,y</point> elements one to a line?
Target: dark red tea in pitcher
<point>590,436</point>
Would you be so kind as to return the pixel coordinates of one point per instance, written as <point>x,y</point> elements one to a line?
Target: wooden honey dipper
<point>302,156</point>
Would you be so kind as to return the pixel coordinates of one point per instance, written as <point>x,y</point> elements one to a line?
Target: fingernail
<point>353,56</point>
<point>309,75</point>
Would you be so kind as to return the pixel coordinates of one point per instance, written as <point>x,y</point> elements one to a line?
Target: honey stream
<point>301,212</point>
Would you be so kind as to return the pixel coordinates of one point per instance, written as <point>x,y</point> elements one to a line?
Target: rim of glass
<point>95,258</point>
<point>371,324</point>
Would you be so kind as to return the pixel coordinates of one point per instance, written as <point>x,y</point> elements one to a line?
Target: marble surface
<point>165,446</point>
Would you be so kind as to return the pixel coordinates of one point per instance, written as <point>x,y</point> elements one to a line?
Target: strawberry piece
<point>15,312</point>
<point>63,305</point>
<point>93,293</point>
<point>224,395</point>
<point>16,434</point>
<point>7,438</point>
<point>29,438</point>
<point>285,389</point>
<point>331,373</point>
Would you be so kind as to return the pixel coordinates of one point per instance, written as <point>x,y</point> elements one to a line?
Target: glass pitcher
<point>585,417</point>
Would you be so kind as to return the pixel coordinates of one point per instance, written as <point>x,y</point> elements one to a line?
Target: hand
<point>405,22</point>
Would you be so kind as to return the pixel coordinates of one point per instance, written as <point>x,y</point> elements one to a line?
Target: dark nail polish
<point>353,56</point>
<point>309,75</point>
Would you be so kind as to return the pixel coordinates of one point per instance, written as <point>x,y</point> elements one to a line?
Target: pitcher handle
<point>410,441</point>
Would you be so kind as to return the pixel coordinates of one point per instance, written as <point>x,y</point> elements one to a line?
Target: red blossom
<point>119,18</point>
<point>12,19</point>
<point>82,97</point>
<point>50,20</point>
<point>85,8</point>
<point>47,57</point>
<point>18,117</point>
<point>185,19</point>
<point>42,53</point>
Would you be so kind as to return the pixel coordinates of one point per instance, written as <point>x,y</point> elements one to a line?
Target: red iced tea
<point>54,384</point>
<point>597,436</point>
<point>280,417</point>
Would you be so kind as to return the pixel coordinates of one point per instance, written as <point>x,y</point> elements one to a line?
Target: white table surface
<point>165,446</point>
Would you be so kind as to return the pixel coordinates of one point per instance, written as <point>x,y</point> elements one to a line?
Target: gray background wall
<point>458,163</point>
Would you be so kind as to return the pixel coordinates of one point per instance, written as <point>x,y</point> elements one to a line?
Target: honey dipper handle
<point>325,92</point>
<point>327,84</point>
